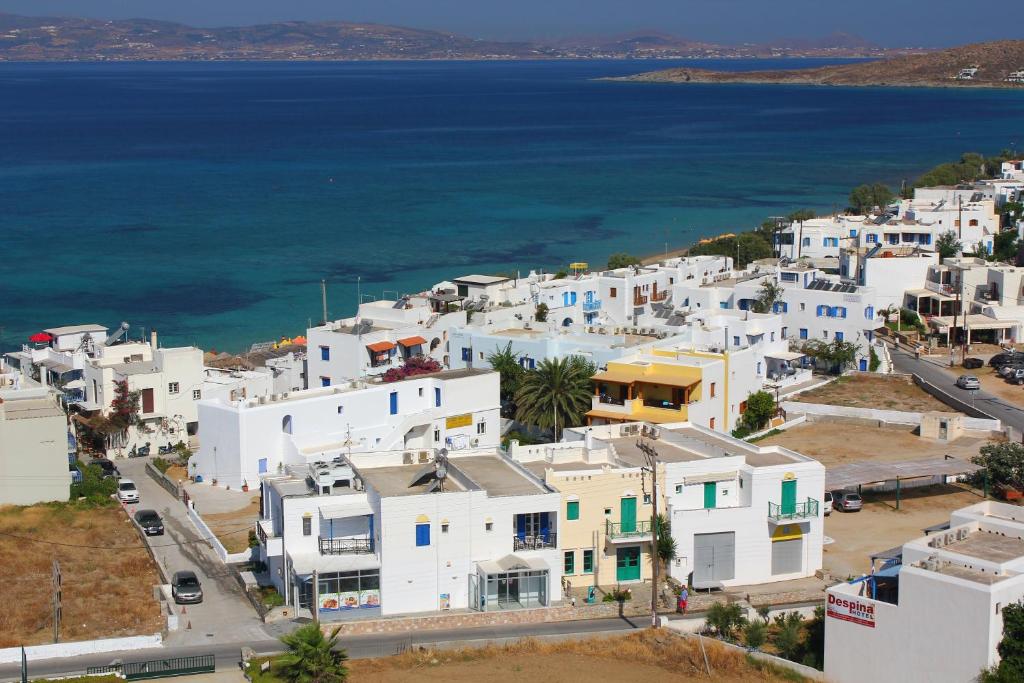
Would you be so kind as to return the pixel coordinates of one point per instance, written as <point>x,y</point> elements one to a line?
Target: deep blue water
<point>208,200</point>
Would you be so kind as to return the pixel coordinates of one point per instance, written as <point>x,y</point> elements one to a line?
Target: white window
<point>173,388</point>
<point>481,355</point>
<point>437,435</point>
<point>679,488</point>
<point>196,394</point>
<point>803,306</point>
<point>489,526</point>
<point>647,499</point>
<point>444,528</point>
<point>481,427</point>
<point>421,391</point>
<point>341,410</point>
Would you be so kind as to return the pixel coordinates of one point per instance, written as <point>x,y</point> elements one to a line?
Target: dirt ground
<point>232,528</point>
<point>108,576</point>
<point>177,473</point>
<point>866,391</point>
<point>647,656</point>
<point>879,526</point>
<point>839,443</point>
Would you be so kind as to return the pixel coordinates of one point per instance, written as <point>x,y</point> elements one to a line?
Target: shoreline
<point>966,85</point>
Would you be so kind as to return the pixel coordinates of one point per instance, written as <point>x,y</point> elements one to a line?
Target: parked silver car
<point>846,501</point>
<point>185,588</point>
<point>968,382</point>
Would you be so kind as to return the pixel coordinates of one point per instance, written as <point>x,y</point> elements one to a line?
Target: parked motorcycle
<point>144,451</point>
<point>165,450</point>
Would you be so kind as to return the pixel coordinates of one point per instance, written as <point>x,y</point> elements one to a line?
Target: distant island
<point>993,64</point>
<point>26,39</point>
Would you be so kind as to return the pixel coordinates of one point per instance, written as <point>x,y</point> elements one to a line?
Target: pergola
<point>866,472</point>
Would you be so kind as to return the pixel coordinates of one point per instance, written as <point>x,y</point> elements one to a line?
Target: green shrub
<point>755,633</point>
<point>94,488</point>
<point>724,619</point>
<point>162,465</point>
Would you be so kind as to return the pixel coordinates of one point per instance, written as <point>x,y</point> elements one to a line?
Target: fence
<point>160,478</point>
<point>159,668</point>
<point>218,547</point>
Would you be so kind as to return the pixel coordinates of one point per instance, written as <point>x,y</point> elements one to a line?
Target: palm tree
<point>556,394</point>
<point>505,362</point>
<point>312,657</point>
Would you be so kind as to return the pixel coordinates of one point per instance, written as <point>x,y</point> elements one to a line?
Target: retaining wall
<point>218,547</point>
<point>161,478</point>
<point>12,655</point>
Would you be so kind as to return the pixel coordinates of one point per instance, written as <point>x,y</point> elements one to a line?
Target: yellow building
<point>663,386</point>
<point>605,517</point>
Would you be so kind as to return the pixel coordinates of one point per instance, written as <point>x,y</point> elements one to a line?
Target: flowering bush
<point>618,595</point>
<point>417,365</point>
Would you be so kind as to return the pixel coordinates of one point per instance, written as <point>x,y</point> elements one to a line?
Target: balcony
<point>805,510</point>
<point>345,546</point>
<point>639,531</point>
<point>663,404</point>
<point>640,300</point>
<point>659,296</point>
<point>540,542</point>
<point>591,306</point>
<point>611,400</point>
<point>939,287</point>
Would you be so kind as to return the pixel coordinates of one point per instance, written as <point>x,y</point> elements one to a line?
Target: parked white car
<point>826,506</point>
<point>126,491</point>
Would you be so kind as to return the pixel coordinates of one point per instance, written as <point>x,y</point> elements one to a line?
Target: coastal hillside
<point>999,63</point>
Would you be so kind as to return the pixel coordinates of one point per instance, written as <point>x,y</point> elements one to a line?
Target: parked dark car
<point>150,523</point>
<point>108,468</point>
<point>846,501</point>
<point>973,363</point>
<point>185,588</point>
<point>1000,359</point>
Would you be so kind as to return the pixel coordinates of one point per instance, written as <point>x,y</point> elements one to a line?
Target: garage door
<point>714,558</point>
<point>788,556</point>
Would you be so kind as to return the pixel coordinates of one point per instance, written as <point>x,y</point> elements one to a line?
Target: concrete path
<point>211,500</point>
<point>225,615</point>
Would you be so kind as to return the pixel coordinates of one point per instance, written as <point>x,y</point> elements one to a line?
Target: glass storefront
<point>341,591</point>
<point>519,589</point>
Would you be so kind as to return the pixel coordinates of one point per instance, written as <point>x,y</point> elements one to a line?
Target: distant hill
<point>76,39</point>
<point>981,64</point>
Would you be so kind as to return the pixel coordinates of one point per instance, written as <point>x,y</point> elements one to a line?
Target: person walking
<point>684,595</point>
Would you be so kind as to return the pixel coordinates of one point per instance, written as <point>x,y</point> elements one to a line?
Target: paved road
<point>358,647</point>
<point>990,404</point>
<point>225,615</point>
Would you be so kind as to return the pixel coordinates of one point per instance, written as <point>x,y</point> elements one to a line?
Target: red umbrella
<point>41,337</point>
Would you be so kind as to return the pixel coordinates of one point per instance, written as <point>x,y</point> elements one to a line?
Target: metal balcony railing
<point>808,508</point>
<point>616,530</point>
<point>611,400</point>
<point>539,542</point>
<point>344,546</point>
<point>590,306</point>
<point>640,300</point>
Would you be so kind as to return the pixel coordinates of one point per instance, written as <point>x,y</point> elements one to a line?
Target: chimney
<point>152,338</point>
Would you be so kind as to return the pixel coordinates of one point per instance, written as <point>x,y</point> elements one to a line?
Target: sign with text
<point>851,609</point>
<point>456,421</point>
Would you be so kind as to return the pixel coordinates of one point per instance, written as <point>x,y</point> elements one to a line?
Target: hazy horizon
<point>932,23</point>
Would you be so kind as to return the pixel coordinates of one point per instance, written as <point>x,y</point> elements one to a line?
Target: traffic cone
<point>183,610</point>
<point>188,626</point>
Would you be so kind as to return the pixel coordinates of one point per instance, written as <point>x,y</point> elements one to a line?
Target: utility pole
<point>960,217</point>
<point>956,311</point>
<point>651,456</point>
<point>316,597</point>
<point>56,601</point>
<point>323,299</point>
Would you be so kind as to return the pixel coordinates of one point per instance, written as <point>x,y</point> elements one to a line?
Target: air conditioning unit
<point>407,458</point>
<point>950,538</point>
<point>961,534</point>
<point>474,442</point>
<point>938,541</point>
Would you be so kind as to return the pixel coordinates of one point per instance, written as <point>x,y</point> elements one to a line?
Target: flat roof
<point>74,329</point>
<point>625,448</point>
<point>394,481</point>
<point>481,279</point>
<point>755,457</point>
<point>496,476</point>
<point>986,545</point>
<point>292,486</point>
<point>136,368</point>
<point>450,374</point>
<point>29,408</point>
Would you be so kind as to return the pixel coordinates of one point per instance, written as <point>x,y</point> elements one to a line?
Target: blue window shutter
<point>437,397</point>
<point>533,364</point>
<point>521,526</point>
<point>565,298</point>
<point>544,524</point>
<point>263,465</point>
<point>842,311</point>
<point>394,403</point>
<point>465,353</point>
<point>839,336</point>
<point>803,333</point>
<point>422,534</point>
<point>572,299</point>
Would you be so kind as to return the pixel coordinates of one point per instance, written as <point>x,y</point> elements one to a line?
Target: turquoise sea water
<point>208,200</point>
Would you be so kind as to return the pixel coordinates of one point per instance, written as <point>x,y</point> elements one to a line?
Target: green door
<point>710,491</point>
<point>789,497</point>
<point>627,515</point>
<point>627,564</point>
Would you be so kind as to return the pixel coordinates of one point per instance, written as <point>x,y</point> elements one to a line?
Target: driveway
<point>945,379</point>
<point>225,615</point>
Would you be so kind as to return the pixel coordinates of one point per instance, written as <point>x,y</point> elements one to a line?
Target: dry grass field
<point>879,392</point>
<point>232,528</point>
<point>107,588</point>
<point>651,656</point>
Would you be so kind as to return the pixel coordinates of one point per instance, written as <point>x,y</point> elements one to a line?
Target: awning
<point>890,554</point>
<point>785,355</point>
<point>307,564</point>
<point>354,508</point>
<point>412,341</point>
<point>705,478</point>
<point>41,337</point>
<point>511,563</point>
<point>975,321</point>
<point>75,384</point>
<point>56,366</point>
<point>921,293</point>
<point>380,347</point>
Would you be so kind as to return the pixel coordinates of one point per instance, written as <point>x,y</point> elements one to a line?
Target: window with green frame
<point>588,561</point>
<point>572,509</point>
<point>570,562</point>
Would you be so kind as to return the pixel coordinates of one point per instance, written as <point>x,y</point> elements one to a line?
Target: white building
<point>470,530</point>
<point>890,271</point>
<point>232,385</point>
<point>740,514</point>
<point>242,440</point>
<point>33,447</point>
<point>822,237</point>
<point>932,612</point>
<point>1012,170</point>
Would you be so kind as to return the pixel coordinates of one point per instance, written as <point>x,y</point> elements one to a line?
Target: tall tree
<point>557,394</point>
<point>760,408</point>
<point>621,260</point>
<point>504,360</point>
<point>312,657</point>
<point>865,198</point>
<point>770,292</point>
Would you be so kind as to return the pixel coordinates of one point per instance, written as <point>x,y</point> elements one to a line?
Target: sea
<point>209,200</point>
